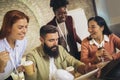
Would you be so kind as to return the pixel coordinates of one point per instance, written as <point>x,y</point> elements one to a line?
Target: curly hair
<point>58,3</point>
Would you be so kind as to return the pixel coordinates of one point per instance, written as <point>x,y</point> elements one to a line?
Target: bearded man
<point>49,56</point>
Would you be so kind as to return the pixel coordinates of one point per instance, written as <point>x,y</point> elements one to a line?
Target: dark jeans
<point>9,78</point>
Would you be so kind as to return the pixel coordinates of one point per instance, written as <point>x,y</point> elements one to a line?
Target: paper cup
<point>28,66</point>
<point>71,70</point>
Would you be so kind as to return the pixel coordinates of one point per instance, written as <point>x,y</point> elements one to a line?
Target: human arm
<point>85,52</point>
<point>89,52</point>
<point>116,44</point>
<point>107,56</point>
<point>81,67</point>
<point>4,58</point>
<point>78,38</point>
<point>103,55</point>
<point>21,57</point>
<point>78,65</point>
<point>30,57</point>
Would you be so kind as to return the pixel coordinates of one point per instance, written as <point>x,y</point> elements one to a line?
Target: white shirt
<point>62,29</point>
<point>52,69</point>
<point>15,55</point>
<point>102,43</point>
<point>63,32</point>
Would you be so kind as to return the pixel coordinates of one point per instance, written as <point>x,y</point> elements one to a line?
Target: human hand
<point>98,55</point>
<point>107,55</point>
<point>20,68</point>
<point>89,67</point>
<point>98,73</point>
<point>4,58</point>
<point>99,52</point>
<point>102,64</point>
<point>29,67</point>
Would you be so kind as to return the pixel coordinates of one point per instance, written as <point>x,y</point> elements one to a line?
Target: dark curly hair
<point>58,3</point>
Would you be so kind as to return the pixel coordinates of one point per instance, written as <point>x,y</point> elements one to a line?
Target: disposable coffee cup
<point>71,70</point>
<point>28,66</point>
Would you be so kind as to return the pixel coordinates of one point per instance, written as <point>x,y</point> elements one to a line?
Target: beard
<point>51,51</point>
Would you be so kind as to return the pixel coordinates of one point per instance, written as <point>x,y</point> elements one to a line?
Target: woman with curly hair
<point>65,24</point>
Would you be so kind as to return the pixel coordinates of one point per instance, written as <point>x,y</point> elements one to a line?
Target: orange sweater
<point>88,51</point>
